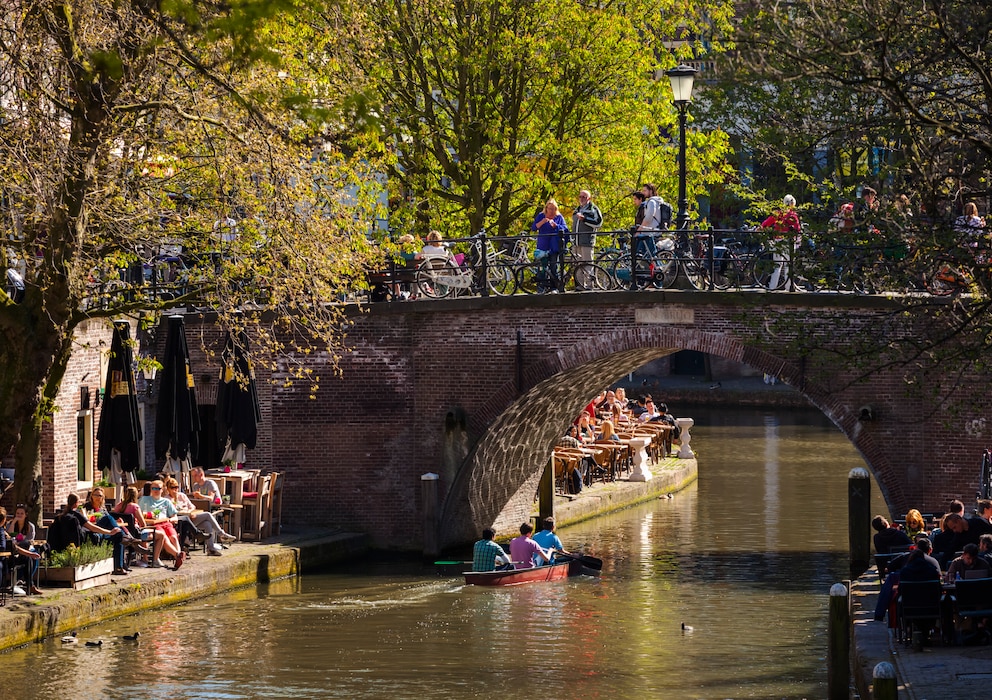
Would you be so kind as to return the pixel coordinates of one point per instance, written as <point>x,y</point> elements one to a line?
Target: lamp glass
<point>682,78</point>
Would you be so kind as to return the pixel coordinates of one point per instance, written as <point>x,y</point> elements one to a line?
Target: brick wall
<point>437,387</point>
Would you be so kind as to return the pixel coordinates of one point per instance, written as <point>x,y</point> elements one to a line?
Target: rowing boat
<point>514,577</point>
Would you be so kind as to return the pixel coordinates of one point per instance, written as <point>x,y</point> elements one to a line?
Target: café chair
<point>254,503</point>
<point>274,517</point>
<point>919,607</point>
<point>972,598</point>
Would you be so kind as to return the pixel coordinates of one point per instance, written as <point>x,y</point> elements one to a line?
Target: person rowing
<point>547,539</point>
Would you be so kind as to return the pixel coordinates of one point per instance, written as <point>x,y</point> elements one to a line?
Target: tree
<point>910,81</point>
<point>132,129</point>
<point>491,106</point>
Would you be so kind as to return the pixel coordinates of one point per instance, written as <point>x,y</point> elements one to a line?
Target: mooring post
<point>428,492</point>
<point>546,493</point>
<point>884,684</point>
<point>839,644</point>
<point>859,520</point>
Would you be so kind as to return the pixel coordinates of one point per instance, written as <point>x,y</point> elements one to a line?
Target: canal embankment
<point>936,671</point>
<point>58,611</point>
<point>668,476</point>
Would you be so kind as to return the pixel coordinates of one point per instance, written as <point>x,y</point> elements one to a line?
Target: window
<point>84,446</point>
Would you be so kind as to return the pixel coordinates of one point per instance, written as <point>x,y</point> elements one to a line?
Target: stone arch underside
<point>505,463</point>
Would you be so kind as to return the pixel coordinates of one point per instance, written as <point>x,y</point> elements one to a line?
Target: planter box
<point>80,577</point>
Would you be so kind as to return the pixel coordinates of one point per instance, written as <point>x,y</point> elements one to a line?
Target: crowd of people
<point>141,529</point>
<point>958,547</point>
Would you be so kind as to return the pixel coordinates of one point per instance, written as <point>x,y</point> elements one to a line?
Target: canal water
<point>745,558</point>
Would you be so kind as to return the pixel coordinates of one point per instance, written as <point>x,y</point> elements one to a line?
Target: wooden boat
<point>515,577</point>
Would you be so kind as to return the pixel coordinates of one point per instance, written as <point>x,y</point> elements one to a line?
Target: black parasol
<point>177,423</point>
<point>120,428</point>
<point>238,412</point>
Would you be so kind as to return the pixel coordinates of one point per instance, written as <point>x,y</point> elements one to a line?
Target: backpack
<point>63,531</point>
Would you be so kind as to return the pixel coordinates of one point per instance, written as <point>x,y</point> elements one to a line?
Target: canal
<point>745,557</point>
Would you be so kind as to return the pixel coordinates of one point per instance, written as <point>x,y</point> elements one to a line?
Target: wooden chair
<point>254,503</point>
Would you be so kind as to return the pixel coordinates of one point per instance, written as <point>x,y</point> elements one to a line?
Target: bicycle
<point>439,276</point>
<point>578,275</point>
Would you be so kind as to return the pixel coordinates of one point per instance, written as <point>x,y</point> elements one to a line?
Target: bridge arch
<point>501,471</point>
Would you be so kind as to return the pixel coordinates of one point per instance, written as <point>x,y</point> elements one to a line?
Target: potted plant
<point>109,488</point>
<point>81,567</point>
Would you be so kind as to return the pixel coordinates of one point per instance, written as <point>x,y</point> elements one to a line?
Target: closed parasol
<point>119,433</point>
<point>238,412</point>
<point>177,423</point>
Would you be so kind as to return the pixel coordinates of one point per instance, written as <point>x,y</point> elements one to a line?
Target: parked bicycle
<point>536,277</point>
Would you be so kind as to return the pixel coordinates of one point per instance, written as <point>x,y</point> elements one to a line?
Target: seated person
<point>968,561</point>
<point>587,427</point>
<point>95,511</point>
<point>607,433</point>
<point>127,509</point>
<point>162,515</point>
<point>888,537</point>
<point>917,565</point>
<point>547,539</point>
<point>979,524</point>
<point>985,548</point>
<point>202,523</point>
<point>523,549</point>
<point>487,555</point>
<point>22,535</point>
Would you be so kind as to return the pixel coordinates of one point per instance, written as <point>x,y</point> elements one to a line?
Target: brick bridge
<point>478,390</point>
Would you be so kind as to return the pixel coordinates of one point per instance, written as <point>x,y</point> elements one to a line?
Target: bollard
<point>884,685</point>
<point>859,520</point>
<point>428,491</point>
<point>546,494</point>
<point>839,644</point>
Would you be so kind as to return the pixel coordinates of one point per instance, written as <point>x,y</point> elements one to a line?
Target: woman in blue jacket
<point>552,237</point>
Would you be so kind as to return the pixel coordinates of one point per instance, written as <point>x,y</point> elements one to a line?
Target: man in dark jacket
<point>888,537</point>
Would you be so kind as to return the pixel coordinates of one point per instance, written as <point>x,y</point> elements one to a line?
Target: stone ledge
<point>59,611</point>
<point>672,475</point>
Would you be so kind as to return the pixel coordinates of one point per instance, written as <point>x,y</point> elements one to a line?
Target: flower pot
<point>80,577</point>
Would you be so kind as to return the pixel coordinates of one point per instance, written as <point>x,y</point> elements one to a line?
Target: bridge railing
<point>703,259</point>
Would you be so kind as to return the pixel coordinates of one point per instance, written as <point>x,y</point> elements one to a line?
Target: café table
<point>236,478</point>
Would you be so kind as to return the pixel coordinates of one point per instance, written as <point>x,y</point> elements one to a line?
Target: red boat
<point>515,577</point>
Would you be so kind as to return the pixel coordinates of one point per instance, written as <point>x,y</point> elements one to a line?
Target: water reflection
<point>746,556</point>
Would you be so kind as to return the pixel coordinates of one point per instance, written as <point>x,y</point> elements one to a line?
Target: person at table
<point>607,432</point>
<point>549,540</point>
<point>523,549</point>
<point>96,511</point>
<point>22,534</point>
<point>127,509</point>
<point>962,535</point>
<point>888,538</point>
<point>915,524</point>
<point>985,548</point>
<point>164,521</point>
<point>203,522</point>
<point>112,531</point>
<point>587,428</point>
<point>919,566</point>
<point>487,555</point>
<point>204,487</point>
<point>968,561</point>
<point>979,524</point>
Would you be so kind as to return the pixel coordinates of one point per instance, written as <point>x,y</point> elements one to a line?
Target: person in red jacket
<point>784,220</point>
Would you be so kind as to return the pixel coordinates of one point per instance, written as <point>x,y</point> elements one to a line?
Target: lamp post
<point>682,77</point>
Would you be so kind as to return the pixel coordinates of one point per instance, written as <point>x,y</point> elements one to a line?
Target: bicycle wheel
<point>532,278</point>
<point>763,271</point>
<point>728,273</point>
<point>665,270</point>
<point>696,273</point>
<point>502,280</point>
<point>434,277</point>
<point>592,277</point>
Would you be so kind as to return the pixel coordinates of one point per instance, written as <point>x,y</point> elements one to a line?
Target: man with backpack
<point>657,217</point>
<point>586,221</point>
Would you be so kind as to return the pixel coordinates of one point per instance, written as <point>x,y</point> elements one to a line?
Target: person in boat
<point>523,549</point>
<point>547,539</point>
<point>487,555</point>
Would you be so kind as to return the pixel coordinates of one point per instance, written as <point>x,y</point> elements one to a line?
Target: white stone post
<point>640,471</point>
<point>685,452</point>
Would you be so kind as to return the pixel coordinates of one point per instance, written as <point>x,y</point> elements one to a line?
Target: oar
<point>450,563</point>
<point>584,559</point>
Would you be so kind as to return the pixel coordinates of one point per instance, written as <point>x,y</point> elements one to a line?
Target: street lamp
<point>682,77</point>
